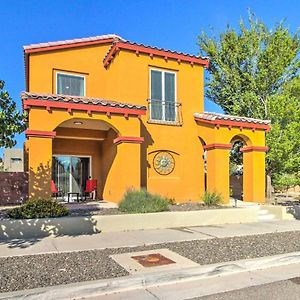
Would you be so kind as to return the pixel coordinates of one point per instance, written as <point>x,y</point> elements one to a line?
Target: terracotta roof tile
<point>74,41</point>
<point>80,100</point>
<point>216,116</point>
<point>152,48</point>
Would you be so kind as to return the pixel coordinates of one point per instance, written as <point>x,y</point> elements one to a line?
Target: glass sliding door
<point>163,95</point>
<point>70,173</point>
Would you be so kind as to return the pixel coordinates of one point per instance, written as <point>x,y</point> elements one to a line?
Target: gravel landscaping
<point>91,210</point>
<point>26,272</point>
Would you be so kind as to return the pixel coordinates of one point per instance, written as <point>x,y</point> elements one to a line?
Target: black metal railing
<point>168,112</point>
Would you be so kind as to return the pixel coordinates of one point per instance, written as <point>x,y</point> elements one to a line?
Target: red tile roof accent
<point>128,139</point>
<point>38,133</point>
<point>80,103</point>
<point>229,120</point>
<point>108,38</point>
<point>153,51</point>
<point>255,148</point>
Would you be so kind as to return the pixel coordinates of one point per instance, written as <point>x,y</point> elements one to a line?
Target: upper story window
<point>163,106</point>
<point>69,84</point>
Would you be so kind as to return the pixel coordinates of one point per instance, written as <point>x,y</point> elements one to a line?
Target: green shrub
<point>282,182</point>
<point>142,202</point>
<point>41,208</point>
<point>212,198</point>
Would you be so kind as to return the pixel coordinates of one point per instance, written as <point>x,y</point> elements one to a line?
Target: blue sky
<point>171,24</point>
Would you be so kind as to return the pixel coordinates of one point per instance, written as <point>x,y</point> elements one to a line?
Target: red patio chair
<point>54,189</point>
<point>90,187</point>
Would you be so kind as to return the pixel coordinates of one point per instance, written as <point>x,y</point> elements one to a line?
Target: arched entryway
<point>82,149</point>
<point>236,166</point>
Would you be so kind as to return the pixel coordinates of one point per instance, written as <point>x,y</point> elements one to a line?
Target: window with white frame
<point>162,95</point>
<point>69,84</point>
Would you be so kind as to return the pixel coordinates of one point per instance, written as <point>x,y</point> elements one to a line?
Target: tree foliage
<point>11,120</point>
<point>253,73</point>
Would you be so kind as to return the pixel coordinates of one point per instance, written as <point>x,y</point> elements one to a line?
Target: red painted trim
<point>255,148</point>
<point>217,146</point>
<point>128,139</point>
<point>39,133</point>
<point>110,55</point>
<point>151,51</point>
<point>235,124</point>
<point>84,107</point>
<point>67,46</point>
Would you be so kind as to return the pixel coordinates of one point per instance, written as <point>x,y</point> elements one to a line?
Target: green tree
<point>253,73</point>
<point>11,120</point>
<point>249,65</point>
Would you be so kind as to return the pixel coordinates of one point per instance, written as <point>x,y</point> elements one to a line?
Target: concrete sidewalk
<point>52,244</point>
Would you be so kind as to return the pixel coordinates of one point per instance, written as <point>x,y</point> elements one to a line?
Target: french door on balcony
<point>70,173</point>
<point>162,95</point>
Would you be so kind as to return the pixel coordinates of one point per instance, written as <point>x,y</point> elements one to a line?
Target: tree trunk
<point>270,189</point>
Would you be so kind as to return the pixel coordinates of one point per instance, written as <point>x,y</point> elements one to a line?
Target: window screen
<point>70,85</point>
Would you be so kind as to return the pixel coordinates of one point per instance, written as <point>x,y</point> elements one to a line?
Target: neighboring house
<point>130,116</point>
<point>13,160</point>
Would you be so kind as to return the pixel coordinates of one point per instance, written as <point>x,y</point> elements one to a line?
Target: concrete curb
<point>127,283</point>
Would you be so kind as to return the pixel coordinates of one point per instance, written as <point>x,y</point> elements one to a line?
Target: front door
<point>70,173</point>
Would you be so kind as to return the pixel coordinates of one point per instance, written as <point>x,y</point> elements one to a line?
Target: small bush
<point>41,208</point>
<point>211,198</point>
<point>142,202</point>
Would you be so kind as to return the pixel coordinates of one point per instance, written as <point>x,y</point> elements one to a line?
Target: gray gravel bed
<point>26,272</point>
<point>93,211</point>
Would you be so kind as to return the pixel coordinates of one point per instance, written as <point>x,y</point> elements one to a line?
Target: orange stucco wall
<point>131,165</point>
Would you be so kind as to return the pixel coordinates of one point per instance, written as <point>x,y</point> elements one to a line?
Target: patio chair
<point>90,187</point>
<point>55,191</point>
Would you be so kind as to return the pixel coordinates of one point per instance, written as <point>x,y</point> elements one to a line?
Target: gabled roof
<point>89,104</point>
<point>71,43</point>
<point>117,43</point>
<point>229,120</point>
<point>153,51</point>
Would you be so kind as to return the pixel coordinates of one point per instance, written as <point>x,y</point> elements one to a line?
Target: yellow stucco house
<point>130,116</point>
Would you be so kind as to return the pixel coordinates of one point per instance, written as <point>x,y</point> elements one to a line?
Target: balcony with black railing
<point>164,112</point>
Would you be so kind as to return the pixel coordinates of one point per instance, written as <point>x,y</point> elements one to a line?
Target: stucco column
<point>125,172</point>
<point>39,147</point>
<point>218,169</point>
<point>254,182</point>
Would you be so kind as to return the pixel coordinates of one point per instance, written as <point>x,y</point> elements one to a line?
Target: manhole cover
<point>295,280</point>
<point>153,260</point>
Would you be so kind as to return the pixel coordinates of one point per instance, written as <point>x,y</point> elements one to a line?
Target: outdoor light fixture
<point>78,123</point>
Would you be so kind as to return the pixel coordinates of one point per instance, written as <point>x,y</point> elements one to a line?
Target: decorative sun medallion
<point>164,163</point>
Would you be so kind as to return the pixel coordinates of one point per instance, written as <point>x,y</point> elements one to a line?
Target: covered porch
<point>72,143</point>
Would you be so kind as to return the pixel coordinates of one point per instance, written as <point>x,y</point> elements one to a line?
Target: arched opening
<point>236,166</point>
<point>82,152</point>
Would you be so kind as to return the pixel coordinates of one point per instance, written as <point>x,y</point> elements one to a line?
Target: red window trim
<point>128,139</point>
<point>83,107</point>
<point>151,51</point>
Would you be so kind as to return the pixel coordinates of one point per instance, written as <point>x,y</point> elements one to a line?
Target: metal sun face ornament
<point>164,163</point>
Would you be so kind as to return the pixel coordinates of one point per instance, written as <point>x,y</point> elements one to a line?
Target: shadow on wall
<point>40,182</point>
<point>26,232</point>
<point>148,141</point>
<point>109,152</point>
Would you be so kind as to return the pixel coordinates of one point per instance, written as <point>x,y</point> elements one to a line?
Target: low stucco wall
<point>280,212</point>
<point>73,226</point>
